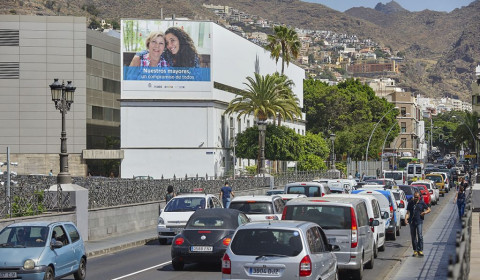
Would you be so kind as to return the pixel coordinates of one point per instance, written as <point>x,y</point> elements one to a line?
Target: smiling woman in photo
<point>181,51</point>
<point>154,56</point>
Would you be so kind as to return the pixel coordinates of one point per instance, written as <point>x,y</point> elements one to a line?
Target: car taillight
<point>271,217</point>
<point>179,241</point>
<point>284,212</point>
<point>226,264</point>
<point>305,266</point>
<point>226,241</point>
<point>391,211</point>
<point>354,240</point>
<point>373,228</point>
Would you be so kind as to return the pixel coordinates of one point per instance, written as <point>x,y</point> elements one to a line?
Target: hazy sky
<point>411,5</point>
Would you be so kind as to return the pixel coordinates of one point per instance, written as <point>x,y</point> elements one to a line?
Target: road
<point>152,261</point>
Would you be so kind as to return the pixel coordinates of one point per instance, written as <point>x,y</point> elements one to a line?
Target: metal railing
<point>459,264</point>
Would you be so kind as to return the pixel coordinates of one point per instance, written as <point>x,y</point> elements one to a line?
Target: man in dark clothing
<point>226,194</point>
<point>416,210</point>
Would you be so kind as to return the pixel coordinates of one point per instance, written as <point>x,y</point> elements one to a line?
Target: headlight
<point>161,221</point>
<point>29,264</point>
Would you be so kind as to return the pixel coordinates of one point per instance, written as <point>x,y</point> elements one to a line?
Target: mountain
<point>391,7</point>
<point>442,49</point>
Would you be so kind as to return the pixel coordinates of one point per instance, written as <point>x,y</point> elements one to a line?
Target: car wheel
<point>443,194</point>
<point>370,264</point>
<point>358,274</point>
<point>82,270</point>
<point>394,235</point>
<point>397,232</point>
<point>162,241</point>
<point>382,248</point>
<point>177,265</point>
<point>375,250</point>
<point>49,274</point>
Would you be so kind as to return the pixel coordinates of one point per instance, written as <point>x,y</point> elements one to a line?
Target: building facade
<point>176,129</point>
<point>34,50</point>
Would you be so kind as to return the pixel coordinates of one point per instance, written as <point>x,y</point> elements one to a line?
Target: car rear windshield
<point>436,179</point>
<point>252,207</point>
<point>259,242</point>
<point>310,191</point>
<point>393,175</point>
<point>207,222</point>
<point>179,204</point>
<point>407,190</point>
<point>328,217</point>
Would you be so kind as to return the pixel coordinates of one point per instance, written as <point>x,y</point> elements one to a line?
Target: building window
<point>222,132</point>
<point>403,111</point>
<point>89,51</point>
<point>404,127</point>
<point>97,113</point>
<point>239,126</point>
<point>232,128</point>
<point>248,123</point>
<point>111,86</point>
<point>403,144</point>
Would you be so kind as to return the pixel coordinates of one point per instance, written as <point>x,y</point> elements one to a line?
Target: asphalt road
<point>152,261</point>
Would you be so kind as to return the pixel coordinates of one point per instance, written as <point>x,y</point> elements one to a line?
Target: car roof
<point>217,212</point>
<point>277,224</point>
<point>304,184</point>
<point>36,224</point>
<point>329,200</point>
<point>256,197</point>
<point>194,195</point>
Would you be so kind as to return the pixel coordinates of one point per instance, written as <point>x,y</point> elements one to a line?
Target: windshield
<point>328,217</point>
<point>179,204</point>
<point>267,242</point>
<point>24,236</point>
<point>393,175</point>
<point>252,207</point>
<point>407,190</point>
<point>436,179</point>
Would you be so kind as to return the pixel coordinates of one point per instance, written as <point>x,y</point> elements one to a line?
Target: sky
<point>411,5</point>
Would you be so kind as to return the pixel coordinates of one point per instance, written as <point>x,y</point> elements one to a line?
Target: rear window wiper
<point>271,255</point>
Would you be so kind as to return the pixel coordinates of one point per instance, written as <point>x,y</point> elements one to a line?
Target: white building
<point>179,128</point>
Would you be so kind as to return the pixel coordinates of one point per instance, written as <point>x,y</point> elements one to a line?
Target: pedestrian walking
<point>460,200</point>
<point>170,194</point>
<point>226,195</point>
<point>416,211</point>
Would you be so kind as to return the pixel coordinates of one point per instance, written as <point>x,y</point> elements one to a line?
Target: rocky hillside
<point>442,49</point>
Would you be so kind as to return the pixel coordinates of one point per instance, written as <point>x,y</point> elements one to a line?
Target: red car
<point>425,193</point>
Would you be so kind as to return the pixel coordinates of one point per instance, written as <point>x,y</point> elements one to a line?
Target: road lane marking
<point>143,270</point>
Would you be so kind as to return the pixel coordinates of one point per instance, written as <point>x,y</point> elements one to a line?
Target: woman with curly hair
<point>181,51</point>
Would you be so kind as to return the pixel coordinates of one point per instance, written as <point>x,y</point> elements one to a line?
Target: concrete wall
<point>54,217</point>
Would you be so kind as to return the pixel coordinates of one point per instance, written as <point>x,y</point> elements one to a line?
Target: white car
<point>402,202</point>
<point>178,210</point>
<point>259,207</point>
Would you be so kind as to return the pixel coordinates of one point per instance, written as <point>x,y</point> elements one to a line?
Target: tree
<point>283,43</point>
<point>350,110</point>
<point>266,97</point>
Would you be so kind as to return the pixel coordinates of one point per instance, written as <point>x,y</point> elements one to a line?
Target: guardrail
<point>459,264</point>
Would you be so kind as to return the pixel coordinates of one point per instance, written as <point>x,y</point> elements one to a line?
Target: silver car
<point>280,250</point>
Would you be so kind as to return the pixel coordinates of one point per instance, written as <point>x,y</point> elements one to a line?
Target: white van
<point>415,170</point>
<point>397,175</point>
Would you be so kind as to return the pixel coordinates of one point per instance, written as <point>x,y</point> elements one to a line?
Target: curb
<point>114,249</point>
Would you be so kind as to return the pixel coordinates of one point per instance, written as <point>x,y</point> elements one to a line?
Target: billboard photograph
<point>165,55</point>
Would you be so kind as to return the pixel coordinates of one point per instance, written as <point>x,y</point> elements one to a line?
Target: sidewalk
<point>117,243</point>
<point>439,245</point>
<point>475,247</point>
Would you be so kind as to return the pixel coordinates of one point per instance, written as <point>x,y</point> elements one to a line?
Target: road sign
<point>470,156</point>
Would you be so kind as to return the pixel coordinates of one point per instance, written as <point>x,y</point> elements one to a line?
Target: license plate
<point>264,271</point>
<point>8,275</point>
<point>201,248</point>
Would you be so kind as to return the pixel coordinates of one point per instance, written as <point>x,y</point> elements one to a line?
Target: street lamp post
<point>62,96</point>
<point>370,138</point>
<point>262,127</point>
<point>332,137</point>
<point>385,141</point>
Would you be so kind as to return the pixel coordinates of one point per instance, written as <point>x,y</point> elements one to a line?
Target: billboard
<point>165,56</point>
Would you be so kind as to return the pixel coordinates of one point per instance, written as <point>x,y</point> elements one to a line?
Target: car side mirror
<point>333,248</point>
<point>386,215</point>
<point>57,244</point>
<point>374,223</point>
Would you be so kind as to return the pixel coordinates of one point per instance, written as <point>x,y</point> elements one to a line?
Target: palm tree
<point>266,97</point>
<point>283,43</point>
<point>468,130</point>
